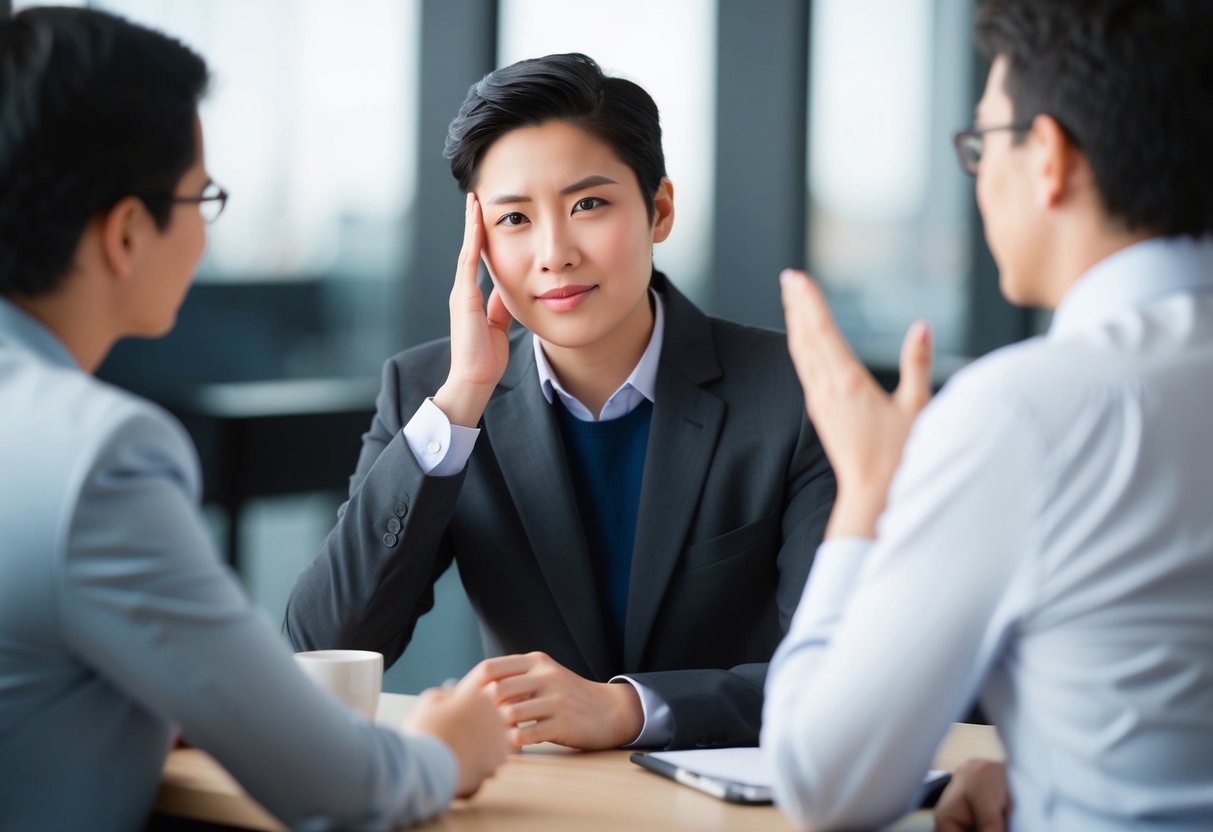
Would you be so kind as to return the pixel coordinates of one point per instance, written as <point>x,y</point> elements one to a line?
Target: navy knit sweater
<point>606,461</point>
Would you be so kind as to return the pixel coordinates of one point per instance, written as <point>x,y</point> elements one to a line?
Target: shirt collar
<point>643,378</point>
<point>1133,277</point>
<point>19,327</point>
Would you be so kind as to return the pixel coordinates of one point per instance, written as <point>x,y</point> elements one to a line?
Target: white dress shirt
<point>120,625</point>
<point>1048,543</point>
<point>443,449</point>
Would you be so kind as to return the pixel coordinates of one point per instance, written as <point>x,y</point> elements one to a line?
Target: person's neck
<point>591,373</point>
<point>77,319</point>
<point>1083,249</point>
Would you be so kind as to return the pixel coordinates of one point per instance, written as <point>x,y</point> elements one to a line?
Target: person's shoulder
<point>129,433</point>
<point>762,338</point>
<point>753,356</point>
<point>74,408</point>
<point>1043,383</point>
<point>421,356</point>
<point>417,371</point>
<point>65,428</point>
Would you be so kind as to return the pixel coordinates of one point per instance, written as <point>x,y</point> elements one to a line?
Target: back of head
<point>92,109</point>
<point>568,88</point>
<point>1131,82</point>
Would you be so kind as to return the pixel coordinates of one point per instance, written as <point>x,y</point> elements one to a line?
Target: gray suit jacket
<point>119,623</point>
<point>735,496</point>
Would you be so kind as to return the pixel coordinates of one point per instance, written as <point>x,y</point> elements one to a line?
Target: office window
<point>889,209</point>
<point>669,49</point>
<point>309,126</point>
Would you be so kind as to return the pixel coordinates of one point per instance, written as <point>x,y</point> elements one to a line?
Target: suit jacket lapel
<point>682,439</point>
<point>527,442</point>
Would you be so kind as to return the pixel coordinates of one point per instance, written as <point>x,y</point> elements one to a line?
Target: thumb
<point>914,389</point>
<point>498,315</point>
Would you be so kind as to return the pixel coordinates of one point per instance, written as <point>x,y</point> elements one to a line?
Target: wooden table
<point>543,787</point>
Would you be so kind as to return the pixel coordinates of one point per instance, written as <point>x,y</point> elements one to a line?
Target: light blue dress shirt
<point>1048,543</point>
<point>119,625</point>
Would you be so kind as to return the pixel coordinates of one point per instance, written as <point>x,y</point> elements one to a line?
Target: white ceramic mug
<point>353,676</point>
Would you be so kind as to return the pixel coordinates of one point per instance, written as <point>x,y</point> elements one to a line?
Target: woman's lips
<point>564,298</point>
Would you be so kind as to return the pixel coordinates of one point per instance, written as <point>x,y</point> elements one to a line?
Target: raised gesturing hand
<point>862,428</point>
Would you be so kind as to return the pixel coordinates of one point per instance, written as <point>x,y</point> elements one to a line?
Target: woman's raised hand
<point>480,348</point>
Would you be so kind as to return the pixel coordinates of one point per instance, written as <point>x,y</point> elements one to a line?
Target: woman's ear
<point>663,210</point>
<point>121,227</point>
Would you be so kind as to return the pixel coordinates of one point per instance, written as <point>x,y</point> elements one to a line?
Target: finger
<point>542,731</point>
<point>829,372</point>
<point>521,686</point>
<point>499,316</point>
<point>431,696</point>
<point>807,311</point>
<point>914,389</point>
<point>503,667</point>
<point>469,251</point>
<point>797,305</point>
<point>541,707</point>
<point>952,812</point>
<point>990,807</point>
<point>477,677</point>
<point>465,294</point>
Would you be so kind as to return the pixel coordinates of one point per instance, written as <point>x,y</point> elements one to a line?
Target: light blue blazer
<point>119,624</point>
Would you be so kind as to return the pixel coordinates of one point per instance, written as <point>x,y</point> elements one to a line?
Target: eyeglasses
<point>971,143</point>
<point>210,202</point>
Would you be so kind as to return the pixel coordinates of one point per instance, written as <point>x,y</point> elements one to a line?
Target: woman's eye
<point>589,203</point>
<point>513,218</point>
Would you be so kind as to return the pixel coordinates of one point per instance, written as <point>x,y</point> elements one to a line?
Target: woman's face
<point>568,240</point>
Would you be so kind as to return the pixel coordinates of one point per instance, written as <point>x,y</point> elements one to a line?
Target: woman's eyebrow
<point>591,181</point>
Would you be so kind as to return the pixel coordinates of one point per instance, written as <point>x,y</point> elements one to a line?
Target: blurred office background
<point>811,133</point>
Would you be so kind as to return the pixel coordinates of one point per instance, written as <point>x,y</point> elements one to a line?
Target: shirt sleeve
<point>146,603</point>
<point>893,637</point>
<point>658,724</point>
<point>440,448</point>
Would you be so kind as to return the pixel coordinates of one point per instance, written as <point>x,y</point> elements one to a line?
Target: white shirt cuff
<point>440,448</point>
<point>658,724</point>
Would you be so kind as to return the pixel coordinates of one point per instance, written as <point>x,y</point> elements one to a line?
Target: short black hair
<point>1131,82</point>
<point>93,109</point>
<point>569,87</point>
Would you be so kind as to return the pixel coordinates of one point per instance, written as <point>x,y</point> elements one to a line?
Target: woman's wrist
<point>463,404</point>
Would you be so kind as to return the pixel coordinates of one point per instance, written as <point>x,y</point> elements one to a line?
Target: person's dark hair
<point>1131,82</point>
<point>93,109</point>
<point>568,88</point>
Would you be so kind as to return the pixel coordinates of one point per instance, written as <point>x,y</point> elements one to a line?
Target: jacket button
<point>401,508</point>
<point>393,526</point>
<point>389,540</point>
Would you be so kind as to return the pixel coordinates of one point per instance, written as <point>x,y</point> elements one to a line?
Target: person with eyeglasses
<point>120,625</point>
<point>1040,533</point>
